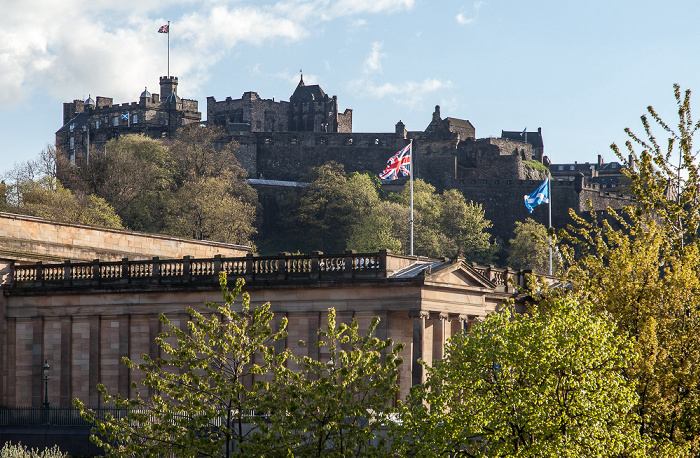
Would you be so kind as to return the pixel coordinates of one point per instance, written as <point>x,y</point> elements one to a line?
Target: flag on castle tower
<point>164,29</point>
<point>540,196</point>
<point>398,165</point>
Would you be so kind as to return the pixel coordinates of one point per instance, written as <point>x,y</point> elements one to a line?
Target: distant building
<point>91,123</point>
<point>309,110</point>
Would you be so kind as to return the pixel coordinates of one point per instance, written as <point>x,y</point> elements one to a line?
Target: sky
<point>580,70</point>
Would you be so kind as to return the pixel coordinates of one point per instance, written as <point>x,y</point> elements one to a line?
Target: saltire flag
<point>540,196</point>
<point>164,28</point>
<point>398,165</point>
<point>125,116</point>
<point>524,132</point>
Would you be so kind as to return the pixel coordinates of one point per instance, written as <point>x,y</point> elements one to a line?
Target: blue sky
<point>583,70</point>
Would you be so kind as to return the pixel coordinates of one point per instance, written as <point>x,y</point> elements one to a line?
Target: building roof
<point>284,184</point>
<point>533,138</point>
<point>76,122</point>
<point>304,92</point>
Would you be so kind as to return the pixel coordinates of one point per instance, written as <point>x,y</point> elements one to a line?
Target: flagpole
<point>410,155</point>
<point>549,184</point>
<point>168,49</point>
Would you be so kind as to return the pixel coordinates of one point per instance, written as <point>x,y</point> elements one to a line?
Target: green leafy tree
<point>47,198</point>
<point>446,225</point>
<point>529,247</point>
<point>642,266</point>
<point>526,385</point>
<point>377,230</point>
<point>209,208</point>
<point>221,389</point>
<point>134,175</point>
<point>327,210</point>
<point>202,403</point>
<point>336,406</point>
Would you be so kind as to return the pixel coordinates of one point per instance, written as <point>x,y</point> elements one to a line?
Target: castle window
<point>135,118</point>
<point>614,165</point>
<point>376,141</point>
<point>348,141</point>
<point>268,140</point>
<point>72,126</point>
<point>572,167</point>
<point>97,124</point>
<point>561,167</point>
<point>72,158</point>
<point>72,142</point>
<point>116,121</point>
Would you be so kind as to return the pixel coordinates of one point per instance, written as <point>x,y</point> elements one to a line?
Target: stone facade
<point>83,317</point>
<point>89,124</point>
<point>30,239</point>
<point>309,110</point>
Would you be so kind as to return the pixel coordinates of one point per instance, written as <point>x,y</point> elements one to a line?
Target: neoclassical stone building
<point>83,316</point>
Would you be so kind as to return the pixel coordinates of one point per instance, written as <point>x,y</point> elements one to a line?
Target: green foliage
<point>221,389</point>
<point>520,385</point>
<point>133,174</point>
<point>47,198</point>
<point>536,165</point>
<point>641,266</point>
<point>326,211</point>
<point>529,248</point>
<point>446,225</point>
<point>21,451</point>
<point>336,406</point>
<point>202,402</point>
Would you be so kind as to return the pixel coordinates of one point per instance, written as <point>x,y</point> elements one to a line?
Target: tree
<point>47,198</point>
<point>527,385</point>
<point>208,208</point>
<point>327,210</point>
<point>338,405</point>
<point>529,247</point>
<point>377,230</point>
<point>642,267</point>
<point>446,225</point>
<point>202,406</point>
<point>221,388</point>
<point>134,175</point>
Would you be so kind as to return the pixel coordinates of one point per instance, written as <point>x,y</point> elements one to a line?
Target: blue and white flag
<point>125,116</point>
<point>540,196</point>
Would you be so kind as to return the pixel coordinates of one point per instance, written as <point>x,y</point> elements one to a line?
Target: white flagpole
<point>549,185</point>
<point>410,155</point>
<point>168,49</point>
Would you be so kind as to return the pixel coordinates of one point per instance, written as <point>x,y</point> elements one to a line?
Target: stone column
<point>422,345</point>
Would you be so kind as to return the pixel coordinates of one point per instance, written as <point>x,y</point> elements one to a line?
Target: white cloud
<point>373,63</point>
<point>410,93</point>
<point>70,48</point>
<point>464,19</point>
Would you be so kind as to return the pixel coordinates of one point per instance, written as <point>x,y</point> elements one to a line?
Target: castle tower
<point>168,85</point>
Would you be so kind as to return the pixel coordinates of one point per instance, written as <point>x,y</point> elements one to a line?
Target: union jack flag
<point>398,165</point>
<point>164,28</point>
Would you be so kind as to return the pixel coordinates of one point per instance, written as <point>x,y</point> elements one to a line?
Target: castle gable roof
<point>533,138</point>
<point>308,93</point>
<point>77,122</point>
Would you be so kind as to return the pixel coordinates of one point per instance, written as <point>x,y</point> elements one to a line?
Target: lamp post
<point>46,383</point>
